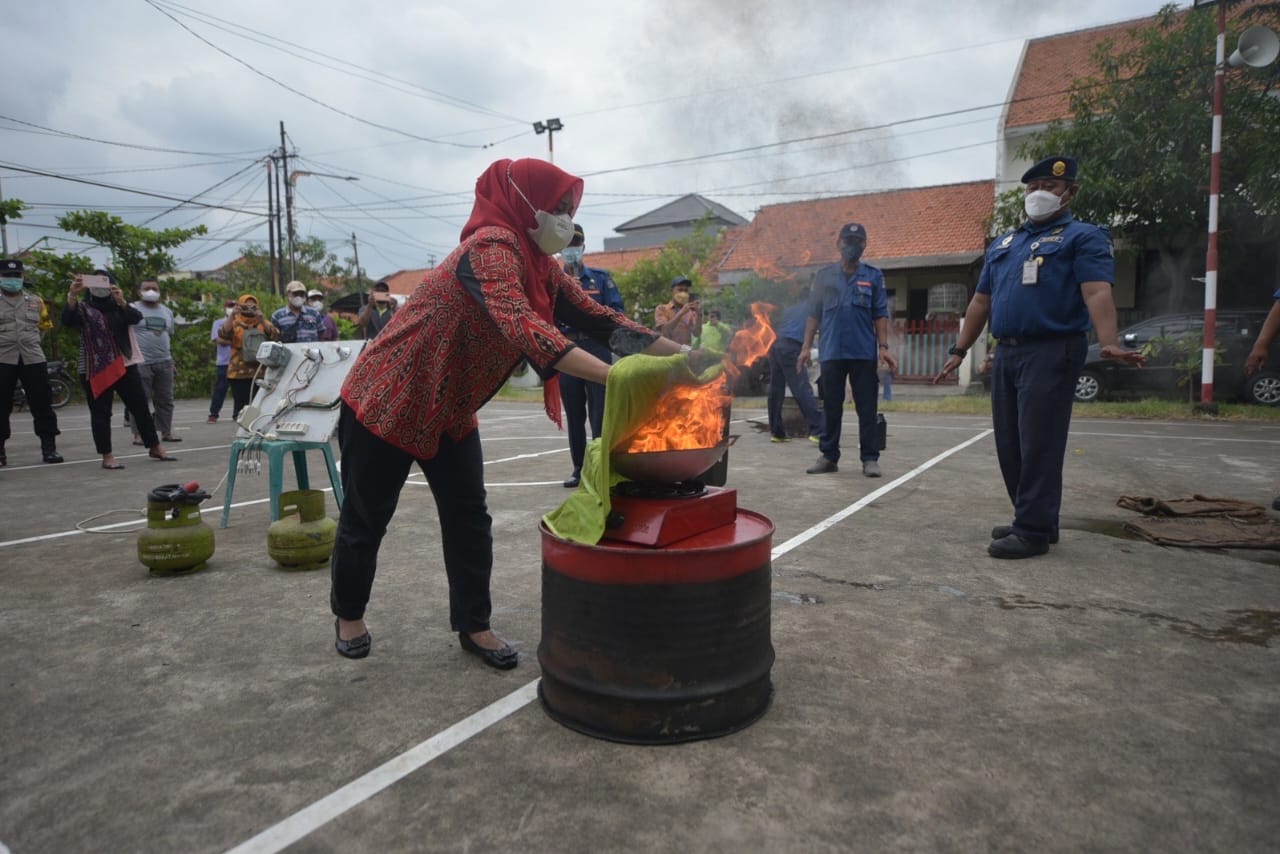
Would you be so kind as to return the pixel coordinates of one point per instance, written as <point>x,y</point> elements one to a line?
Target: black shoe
<point>354,648</point>
<point>1014,547</point>
<point>572,480</point>
<point>1275,505</point>
<point>4,461</point>
<point>824,465</point>
<point>999,532</point>
<point>503,659</point>
<point>52,456</point>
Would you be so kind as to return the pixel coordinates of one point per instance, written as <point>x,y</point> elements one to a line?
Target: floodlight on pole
<point>1258,47</point>
<point>549,127</point>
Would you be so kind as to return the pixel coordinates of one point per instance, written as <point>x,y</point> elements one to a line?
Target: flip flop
<point>113,466</point>
<point>163,458</point>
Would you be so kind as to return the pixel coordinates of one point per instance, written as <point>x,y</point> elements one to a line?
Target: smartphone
<point>97,282</point>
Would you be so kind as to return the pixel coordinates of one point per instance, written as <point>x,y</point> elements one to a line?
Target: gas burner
<point>680,489</point>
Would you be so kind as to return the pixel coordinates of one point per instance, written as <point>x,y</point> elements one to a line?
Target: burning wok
<point>668,466</point>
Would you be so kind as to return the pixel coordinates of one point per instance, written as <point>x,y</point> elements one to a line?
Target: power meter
<point>273,354</point>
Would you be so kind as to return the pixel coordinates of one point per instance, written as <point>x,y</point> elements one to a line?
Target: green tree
<point>1140,125</point>
<point>648,284</point>
<point>11,209</point>
<point>312,261</point>
<point>138,253</point>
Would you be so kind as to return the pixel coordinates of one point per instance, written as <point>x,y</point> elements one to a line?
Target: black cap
<point>852,229</point>
<point>579,237</point>
<point>1058,166</point>
<point>681,280</point>
<point>10,267</point>
<point>382,286</point>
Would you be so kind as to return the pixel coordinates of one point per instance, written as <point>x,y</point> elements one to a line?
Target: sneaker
<point>1014,547</point>
<point>778,440</point>
<point>212,419</point>
<point>824,465</point>
<point>815,439</point>
<point>870,468</point>
<point>999,532</point>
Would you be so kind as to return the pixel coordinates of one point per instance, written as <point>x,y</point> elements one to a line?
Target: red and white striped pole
<point>1211,255</point>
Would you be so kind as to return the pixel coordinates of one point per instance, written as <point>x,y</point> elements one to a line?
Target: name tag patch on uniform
<point>1052,239</point>
<point>863,284</point>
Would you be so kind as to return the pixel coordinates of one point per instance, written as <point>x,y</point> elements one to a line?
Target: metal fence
<point>921,347</point>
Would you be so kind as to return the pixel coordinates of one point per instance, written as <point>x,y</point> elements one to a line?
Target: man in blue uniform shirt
<point>783,356</point>
<point>1041,285</point>
<point>848,302</point>
<point>584,401</point>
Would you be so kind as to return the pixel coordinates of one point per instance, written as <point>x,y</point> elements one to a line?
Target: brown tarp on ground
<point>1203,522</point>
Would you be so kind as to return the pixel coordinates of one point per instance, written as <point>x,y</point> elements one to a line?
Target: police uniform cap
<point>1059,166</point>
<point>10,267</point>
<point>681,280</point>
<point>852,230</point>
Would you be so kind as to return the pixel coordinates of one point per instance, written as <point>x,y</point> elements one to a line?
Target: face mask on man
<point>572,255</point>
<point>552,232</point>
<point>297,302</point>
<point>11,285</point>
<point>1042,203</point>
<point>850,253</point>
<point>150,296</point>
<point>317,304</point>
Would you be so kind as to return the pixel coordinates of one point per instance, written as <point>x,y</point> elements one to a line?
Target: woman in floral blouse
<point>413,394</point>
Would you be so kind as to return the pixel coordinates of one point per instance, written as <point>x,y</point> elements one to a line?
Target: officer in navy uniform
<point>1041,285</point>
<point>584,401</point>
<point>23,318</point>
<point>848,301</point>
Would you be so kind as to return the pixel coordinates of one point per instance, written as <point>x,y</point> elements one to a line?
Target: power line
<point>428,93</point>
<point>304,95</point>
<point>160,149</point>
<point>29,171</point>
<point>230,177</point>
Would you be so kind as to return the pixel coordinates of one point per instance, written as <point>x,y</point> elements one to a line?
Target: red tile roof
<point>621,260</point>
<point>403,282</point>
<point>1051,64</point>
<point>944,222</point>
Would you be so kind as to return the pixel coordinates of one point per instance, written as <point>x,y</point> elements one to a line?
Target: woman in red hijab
<point>413,392</point>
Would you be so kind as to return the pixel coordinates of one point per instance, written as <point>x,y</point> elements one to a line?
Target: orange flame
<point>688,417</point>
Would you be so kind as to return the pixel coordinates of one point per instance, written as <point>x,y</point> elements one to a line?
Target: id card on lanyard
<point>1031,267</point>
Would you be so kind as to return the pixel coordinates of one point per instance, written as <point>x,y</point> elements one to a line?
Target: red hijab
<point>498,203</point>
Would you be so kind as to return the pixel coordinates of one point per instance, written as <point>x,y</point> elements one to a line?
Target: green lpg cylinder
<point>175,541</point>
<point>302,538</point>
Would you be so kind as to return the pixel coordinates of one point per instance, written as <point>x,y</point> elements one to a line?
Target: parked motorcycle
<point>60,384</point>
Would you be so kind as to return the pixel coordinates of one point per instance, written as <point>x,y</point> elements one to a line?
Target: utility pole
<point>549,127</point>
<point>288,198</point>
<point>355,249</point>
<point>279,234</point>
<point>271,228</point>
<point>4,231</point>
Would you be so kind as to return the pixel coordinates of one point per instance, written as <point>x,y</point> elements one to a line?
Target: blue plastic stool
<point>275,449</point>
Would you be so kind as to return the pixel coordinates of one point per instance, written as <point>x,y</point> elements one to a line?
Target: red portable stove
<point>658,514</point>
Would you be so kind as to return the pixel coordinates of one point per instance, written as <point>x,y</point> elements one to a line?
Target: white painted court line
<point>313,817</point>
<point>301,823</point>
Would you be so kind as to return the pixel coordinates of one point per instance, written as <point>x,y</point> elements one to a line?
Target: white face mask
<point>100,292</point>
<point>297,302</point>
<point>230,312</point>
<point>1041,203</point>
<point>150,296</point>
<point>553,231</point>
<point>317,304</point>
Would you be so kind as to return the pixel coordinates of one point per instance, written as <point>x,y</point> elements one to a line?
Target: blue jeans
<point>783,375</point>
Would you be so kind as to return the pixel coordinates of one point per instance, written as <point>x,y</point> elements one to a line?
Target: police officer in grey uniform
<point>22,358</point>
<point>1041,285</point>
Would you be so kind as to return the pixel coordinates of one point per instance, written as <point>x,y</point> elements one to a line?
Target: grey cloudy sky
<point>659,98</point>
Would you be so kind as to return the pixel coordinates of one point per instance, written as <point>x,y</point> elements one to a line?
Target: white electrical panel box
<point>298,390</point>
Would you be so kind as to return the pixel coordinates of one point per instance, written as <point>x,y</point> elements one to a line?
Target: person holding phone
<point>377,312</point>
<point>108,361</point>
<point>240,371</point>
<point>681,319</point>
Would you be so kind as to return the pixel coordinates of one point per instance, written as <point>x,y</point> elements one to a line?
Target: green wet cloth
<point>635,384</point>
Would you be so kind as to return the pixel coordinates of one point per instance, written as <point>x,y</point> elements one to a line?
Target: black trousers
<point>861,376</point>
<point>134,397</point>
<point>1032,388</point>
<point>583,402</point>
<point>241,394</point>
<point>373,473</point>
<point>35,382</point>
<point>783,375</point>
